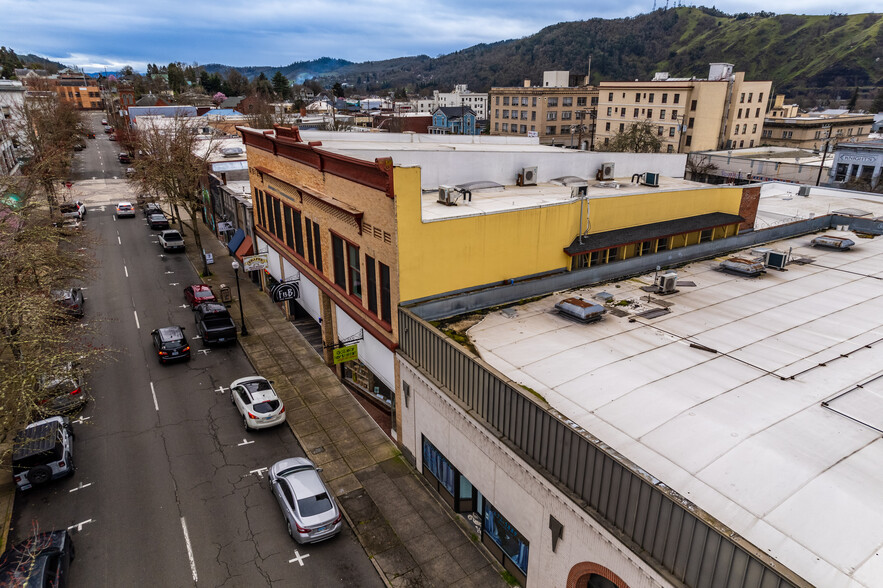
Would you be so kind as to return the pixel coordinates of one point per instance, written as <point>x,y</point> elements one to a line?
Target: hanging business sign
<point>285,291</point>
<point>251,263</point>
<point>348,353</point>
<point>225,226</point>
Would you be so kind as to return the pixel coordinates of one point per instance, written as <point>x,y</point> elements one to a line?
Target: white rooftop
<point>738,426</point>
<point>781,203</point>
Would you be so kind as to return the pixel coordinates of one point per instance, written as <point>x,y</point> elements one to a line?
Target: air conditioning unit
<point>803,191</point>
<point>667,283</point>
<point>607,171</point>
<point>528,176</point>
<point>650,179</point>
<point>579,191</point>
<point>446,196</point>
<point>776,260</point>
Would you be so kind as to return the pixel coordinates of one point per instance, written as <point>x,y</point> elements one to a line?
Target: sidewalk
<point>410,536</point>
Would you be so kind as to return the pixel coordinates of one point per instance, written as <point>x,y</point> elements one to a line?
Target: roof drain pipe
<point>635,181</point>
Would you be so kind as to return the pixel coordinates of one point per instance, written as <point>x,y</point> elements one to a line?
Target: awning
<point>629,235</point>
<point>236,241</point>
<point>245,249</point>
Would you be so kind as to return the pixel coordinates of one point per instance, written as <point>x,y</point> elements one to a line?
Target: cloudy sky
<point>99,34</point>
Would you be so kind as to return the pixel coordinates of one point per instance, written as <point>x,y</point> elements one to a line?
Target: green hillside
<point>800,53</point>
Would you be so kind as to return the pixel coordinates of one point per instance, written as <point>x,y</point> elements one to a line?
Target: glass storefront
<point>501,538</point>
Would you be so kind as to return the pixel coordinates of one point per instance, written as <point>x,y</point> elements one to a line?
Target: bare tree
<point>700,167</point>
<point>263,115</point>
<point>174,162</point>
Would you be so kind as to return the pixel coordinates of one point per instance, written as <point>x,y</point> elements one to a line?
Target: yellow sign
<point>348,353</point>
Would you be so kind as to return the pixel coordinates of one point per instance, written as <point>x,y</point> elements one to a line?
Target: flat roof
<point>781,203</point>
<point>510,198</point>
<point>722,397</point>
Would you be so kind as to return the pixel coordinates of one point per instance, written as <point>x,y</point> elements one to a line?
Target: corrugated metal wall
<point>661,529</point>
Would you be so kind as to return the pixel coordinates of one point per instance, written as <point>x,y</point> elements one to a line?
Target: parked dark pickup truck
<point>214,324</point>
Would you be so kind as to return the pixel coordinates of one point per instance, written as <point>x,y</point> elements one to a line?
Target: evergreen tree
<point>853,100</point>
<point>281,86</point>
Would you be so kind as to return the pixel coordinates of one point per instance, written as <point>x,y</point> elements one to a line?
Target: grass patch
<point>623,303</point>
<point>509,578</point>
<point>461,338</point>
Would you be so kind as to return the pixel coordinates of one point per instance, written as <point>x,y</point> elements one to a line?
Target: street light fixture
<point>239,294</point>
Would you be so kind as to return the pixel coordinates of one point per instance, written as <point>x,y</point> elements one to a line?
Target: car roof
<point>157,214</point>
<point>212,307</point>
<point>170,333</point>
<point>263,396</point>
<point>305,481</point>
<point>200,288</point>
<point>124,204</point>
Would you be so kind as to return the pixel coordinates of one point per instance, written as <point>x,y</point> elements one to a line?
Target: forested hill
<point>800,53</point>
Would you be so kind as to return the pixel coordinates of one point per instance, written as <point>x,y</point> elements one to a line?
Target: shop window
<point>338,261</point>
<point>438,465</point>
<point>354,270</point>
<point>310,253</point>
<point>371,283</point>
<point>499,530</point>
<point>385,299</point>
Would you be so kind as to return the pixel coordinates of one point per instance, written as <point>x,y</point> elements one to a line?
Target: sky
<point>100,34</point>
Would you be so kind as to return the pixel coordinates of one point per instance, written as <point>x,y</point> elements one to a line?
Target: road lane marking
<point>81,420</point>
<point>258,472</point>
<point>126,270</point>
<point>174,284</point>
<point>206,351</point>
<point>299,558</point>
<point>79,526</point>
<point>119,241</point>
<point>221,390</point>
<point>137,324</point>
<point>153,393</point>
<point>80,487</point>
<point>244,442</point>
<point>189,550</point>
<point>114,218</point>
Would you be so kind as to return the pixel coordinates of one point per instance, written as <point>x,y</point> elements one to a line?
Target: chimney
<point>527,83</point>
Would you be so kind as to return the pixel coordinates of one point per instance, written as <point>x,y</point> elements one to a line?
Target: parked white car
<point>257,402</point>
<point>171,240</point>
<point>125,209</point>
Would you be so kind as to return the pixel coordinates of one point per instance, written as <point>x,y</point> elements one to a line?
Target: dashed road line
<point>153,393</point>
<point>137,324</point>
<point>79,526</point>
<point>189,550</point>
<point>125,269</point>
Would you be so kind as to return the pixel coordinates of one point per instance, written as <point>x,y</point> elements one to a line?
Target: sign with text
<point>225,226</point>
<point>285,291</point>
<point>209,257</point>
<point>251,263</point>
<point>348,353</point>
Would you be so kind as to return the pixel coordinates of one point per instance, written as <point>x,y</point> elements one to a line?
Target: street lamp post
<point>239,294</point>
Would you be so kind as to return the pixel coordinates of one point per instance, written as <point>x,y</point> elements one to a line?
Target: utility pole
<point>822,165</point>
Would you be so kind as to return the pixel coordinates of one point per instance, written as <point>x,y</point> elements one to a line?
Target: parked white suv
<point>43,451</point>
<point>125,209</point>
<point>171,240</point>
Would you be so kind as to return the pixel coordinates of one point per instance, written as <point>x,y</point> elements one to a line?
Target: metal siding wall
<point>675,538</point>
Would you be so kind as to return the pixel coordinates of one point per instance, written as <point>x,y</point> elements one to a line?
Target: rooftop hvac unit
<point>528,176</point>
<point>650,179</point>
<point>775,259</point>
<point>581,310</point>
<point>579,191</point>
<point>606,171</point>
<point>667,283</point>
<point>743,266</point>
<point>446,196</point>
<point>803,191</point>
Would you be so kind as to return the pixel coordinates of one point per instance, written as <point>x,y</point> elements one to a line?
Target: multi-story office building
<point>560,112</point>
<point>689,114</point>
<point>811,131</point>
<point>461,96</point>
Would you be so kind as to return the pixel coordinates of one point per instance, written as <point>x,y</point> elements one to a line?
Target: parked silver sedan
<point>257,402</point>
<point>310,511</point>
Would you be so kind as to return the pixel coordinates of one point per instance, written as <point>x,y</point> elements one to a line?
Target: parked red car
<point>197,294</point>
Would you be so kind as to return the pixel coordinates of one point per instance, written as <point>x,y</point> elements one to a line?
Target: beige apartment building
<point>689,114</point>
<point>560,112</point>
<point>811,131</point>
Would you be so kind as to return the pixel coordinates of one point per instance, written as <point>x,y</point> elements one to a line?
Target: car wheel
<point>290,532</point>
<point>40,474</point>
<point>71,464</point>
<point>245,423</point>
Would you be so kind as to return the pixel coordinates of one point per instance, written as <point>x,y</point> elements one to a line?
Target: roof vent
<point>580,310</point>
<point>231,151</point>
<point>833,242</point>
<point>743,266</point>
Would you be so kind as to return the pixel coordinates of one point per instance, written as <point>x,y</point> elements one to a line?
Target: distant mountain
<point>41,61</point>
<point>801,54</point>
<point>297,72</point>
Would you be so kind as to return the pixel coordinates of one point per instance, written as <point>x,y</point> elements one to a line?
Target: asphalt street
<point>170,489</point>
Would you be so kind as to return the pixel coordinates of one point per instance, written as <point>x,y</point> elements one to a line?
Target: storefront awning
<point>246,248</point>
<point>236,241</point>
<point>629,235</point>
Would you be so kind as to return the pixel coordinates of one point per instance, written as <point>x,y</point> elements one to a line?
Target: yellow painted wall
<point>445,256</point>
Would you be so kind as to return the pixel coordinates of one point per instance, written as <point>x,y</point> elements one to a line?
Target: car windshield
<point>314,505</point>
<point>68,207</point>
<point>266,407</point>
<point>203,294</point>
<point>257,386</point>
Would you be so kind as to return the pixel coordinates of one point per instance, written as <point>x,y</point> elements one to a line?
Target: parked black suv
<point>40,561</point>
<point>43,451</point>
<point>214,324</point>
<point>171,344</point>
